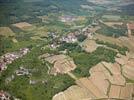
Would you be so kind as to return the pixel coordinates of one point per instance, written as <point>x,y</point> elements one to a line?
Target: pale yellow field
<point>101,85</point>
<point>22,25</point>
<point>111,24</point>
<point>6,31</point>
<point>62,64</point>
<point>89,45</point>
<point>41,31</point>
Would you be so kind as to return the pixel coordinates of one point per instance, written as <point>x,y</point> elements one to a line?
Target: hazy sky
<point>32,0</point>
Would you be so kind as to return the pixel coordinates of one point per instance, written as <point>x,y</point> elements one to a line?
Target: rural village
<point>107,80</point>
<point>84,58</point>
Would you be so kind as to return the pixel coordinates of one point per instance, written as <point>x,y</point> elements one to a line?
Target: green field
<point>111,17</point>
<point>85,61</point>
<point>110,31</point>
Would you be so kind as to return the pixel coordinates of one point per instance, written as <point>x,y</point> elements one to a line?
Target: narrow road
<point>72,76</point>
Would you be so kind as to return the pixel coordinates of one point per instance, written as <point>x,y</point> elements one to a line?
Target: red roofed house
<point>130,27</point>
<point>4,96</point>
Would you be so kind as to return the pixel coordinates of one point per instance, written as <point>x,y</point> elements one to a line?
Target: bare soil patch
<point>89,45</point>
<point>6,31</point>
<point>62,64</point>
<point>22,25</point>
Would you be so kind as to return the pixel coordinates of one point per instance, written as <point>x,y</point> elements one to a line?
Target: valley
<point>66,50</point>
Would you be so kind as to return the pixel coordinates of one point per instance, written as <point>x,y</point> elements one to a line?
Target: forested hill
<point>9,1</point>
<point>128,9</point>
<point>17,8</point>
<point>28,10</point>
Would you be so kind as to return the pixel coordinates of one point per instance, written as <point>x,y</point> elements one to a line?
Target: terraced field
<point>106,81</point>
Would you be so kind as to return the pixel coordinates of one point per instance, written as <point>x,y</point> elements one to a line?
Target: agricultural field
<point>89,45</point>
<point>6,31</point>
<point>69,49</point>
<point>106,81</point>
<point>22,25</point>
<point>111,17</point>
<point>112,24</point>
<point>115,31</point>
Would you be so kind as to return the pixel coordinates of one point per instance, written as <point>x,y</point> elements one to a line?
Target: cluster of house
<point>87,31</point>
<point>130,27</point>
<point>68,18</point>
<point>8,58</point>
<point>4,95</point>
<point>22,71</point>
<point>53,35</point>
<point>9,79</point>
<point>33,82</point>
<point>69,38</point>
<point>72,37</point>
